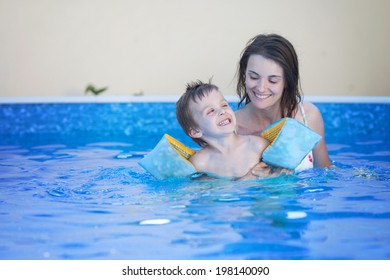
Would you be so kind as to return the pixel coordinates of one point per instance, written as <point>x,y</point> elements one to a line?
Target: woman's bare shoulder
<point>310,108</point>
<point>314,117</point>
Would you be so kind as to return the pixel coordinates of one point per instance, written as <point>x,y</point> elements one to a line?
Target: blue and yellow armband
<point>168,159</point>
<point>290,141</point>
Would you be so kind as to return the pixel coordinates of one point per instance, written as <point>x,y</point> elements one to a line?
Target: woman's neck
<point>263,117</point>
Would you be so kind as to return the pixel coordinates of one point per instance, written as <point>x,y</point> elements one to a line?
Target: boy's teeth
<point>225,122</point>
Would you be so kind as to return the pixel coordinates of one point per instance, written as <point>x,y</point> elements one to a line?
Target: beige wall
<point>57,47</point>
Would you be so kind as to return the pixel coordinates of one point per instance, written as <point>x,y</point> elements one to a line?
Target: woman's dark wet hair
<point>280,50</point>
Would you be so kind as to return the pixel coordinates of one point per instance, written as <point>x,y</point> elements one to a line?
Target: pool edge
<point>174,98</point>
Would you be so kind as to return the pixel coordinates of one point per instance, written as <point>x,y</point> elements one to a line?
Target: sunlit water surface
<point>71,188</point>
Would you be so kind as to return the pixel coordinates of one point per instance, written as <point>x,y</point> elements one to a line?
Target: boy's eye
<point>209,112</point>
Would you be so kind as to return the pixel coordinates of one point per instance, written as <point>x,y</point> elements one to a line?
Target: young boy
<point>205,115</point>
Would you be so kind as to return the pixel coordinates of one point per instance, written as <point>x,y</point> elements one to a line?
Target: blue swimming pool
<point>71,188</point>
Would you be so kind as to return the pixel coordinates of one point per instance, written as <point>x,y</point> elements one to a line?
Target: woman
<point>268,87</point>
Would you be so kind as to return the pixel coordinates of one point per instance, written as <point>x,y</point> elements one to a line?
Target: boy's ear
<point>195,133</point>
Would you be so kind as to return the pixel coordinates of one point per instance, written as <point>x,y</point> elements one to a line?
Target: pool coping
<point>174,98</point>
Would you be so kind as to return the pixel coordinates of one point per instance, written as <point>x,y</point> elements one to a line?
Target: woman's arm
<point>316,123</point>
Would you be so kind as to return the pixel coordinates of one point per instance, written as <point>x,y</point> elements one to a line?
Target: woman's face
<point>264,81</point>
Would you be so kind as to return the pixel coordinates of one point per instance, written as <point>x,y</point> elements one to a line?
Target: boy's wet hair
<point>194,91</point>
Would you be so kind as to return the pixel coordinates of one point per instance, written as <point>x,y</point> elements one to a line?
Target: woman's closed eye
<point>274,79</point>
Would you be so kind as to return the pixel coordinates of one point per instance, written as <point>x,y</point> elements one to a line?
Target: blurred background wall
<point>154,47</point>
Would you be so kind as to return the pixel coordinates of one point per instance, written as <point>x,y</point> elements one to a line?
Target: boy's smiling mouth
<point>225,122</point>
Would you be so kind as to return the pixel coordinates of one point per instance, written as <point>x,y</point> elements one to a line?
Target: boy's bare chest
<point>235,164</point>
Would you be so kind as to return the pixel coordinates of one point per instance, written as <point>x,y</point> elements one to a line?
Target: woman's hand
<point>263,170</point>
<point>259,170</point>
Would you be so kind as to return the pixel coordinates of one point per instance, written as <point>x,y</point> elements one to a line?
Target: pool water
<point>71,188</point>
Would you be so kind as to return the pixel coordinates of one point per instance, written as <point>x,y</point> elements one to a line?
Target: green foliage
<point>94,90</point>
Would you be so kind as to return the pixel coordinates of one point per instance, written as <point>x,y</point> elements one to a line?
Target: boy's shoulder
<point>256,143</point>
<point>204,159</point>
<point>255,139</point>
<point>201,155</point>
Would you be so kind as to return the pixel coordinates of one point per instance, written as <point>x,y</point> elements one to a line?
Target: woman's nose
<point>262,85</point>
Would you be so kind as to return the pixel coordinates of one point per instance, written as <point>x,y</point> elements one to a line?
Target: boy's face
<point>213,115</point>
